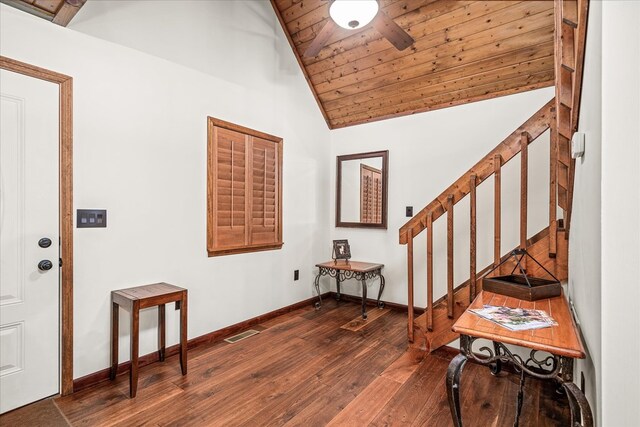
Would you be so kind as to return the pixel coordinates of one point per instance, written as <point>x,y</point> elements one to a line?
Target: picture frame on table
<point>341,250</point>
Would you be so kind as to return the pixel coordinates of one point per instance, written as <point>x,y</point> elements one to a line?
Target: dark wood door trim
<point>66,207</point>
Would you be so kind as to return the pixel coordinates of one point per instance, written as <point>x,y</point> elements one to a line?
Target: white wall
<point>140,152</point>
<point>620,213</point>
<point>232,40</point>
<point>428,152</point>
<point>584,239</point>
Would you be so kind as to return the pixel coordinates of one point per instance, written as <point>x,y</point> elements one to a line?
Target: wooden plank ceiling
<point>57,11</point>
<point>464,51</point>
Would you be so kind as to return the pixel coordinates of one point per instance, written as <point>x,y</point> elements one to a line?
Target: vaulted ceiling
<point>464,51</point>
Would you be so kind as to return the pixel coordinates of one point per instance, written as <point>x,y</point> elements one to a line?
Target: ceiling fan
<point>354,14</point>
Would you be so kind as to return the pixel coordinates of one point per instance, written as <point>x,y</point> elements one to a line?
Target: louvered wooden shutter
<point>230,188</point>
<point>264,227</point>
<point>370,195</point>
<point>244,190</point>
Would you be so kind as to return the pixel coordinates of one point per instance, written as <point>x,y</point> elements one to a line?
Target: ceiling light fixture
<point>353,14</point>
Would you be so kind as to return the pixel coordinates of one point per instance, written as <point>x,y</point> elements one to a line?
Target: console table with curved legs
<point>342,270</point>
<point>559,344</point>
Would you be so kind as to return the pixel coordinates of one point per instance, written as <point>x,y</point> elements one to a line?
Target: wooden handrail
<point>507,149</point>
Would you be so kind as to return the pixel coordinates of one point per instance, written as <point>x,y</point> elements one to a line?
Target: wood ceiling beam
<point>29,8</point>
<point>67,11</point>
<point>59,12</point>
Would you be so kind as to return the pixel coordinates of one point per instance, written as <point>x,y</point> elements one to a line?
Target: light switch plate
<point>91,218</point>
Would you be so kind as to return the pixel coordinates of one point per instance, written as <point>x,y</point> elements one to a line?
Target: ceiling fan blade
<point>321,39</point>
<point>392,31</point>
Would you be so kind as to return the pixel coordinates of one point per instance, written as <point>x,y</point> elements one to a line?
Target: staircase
<point>549,246</point>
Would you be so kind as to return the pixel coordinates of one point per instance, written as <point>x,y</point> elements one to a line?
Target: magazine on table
<point>516,319</point>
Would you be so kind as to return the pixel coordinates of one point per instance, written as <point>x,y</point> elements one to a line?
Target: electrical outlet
<point>409,211</point>
<point>296,274</point>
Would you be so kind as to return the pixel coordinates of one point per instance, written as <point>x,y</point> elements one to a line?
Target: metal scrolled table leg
<point>318,304</point>
<point>496,367</point>
<point>381,303</point>
<point>580,410</point>
<point>337,286</point>
<point>453,386</point>
<point>364,298</point>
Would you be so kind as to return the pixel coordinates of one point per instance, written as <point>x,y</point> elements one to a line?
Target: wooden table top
<point>357,266</point>
<point>148,291</point>
<point>562,340</point>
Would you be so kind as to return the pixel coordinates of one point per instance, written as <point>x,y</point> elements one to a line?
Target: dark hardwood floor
<point>313,368</point>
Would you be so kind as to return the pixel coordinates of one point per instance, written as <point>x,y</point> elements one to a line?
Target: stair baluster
<point>450,256</point>
<point>430,271</point>
<point>410,285</point>
<point>472,237</point>
<point>524,189</point>
<point>497,210</point>
<point>553,188</point>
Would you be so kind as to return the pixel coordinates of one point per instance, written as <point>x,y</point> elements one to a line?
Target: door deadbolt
<point>45,242</point>
<point>45,265</point>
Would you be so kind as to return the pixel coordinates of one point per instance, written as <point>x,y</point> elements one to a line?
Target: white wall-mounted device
<point>577,145</point>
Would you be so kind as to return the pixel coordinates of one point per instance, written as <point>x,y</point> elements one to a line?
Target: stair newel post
<point>410,284</point>
<point>497,226</point>
<point>524,189</point>
<point>450,256</point>
<point>430,271</point>
<point>553,189</point>
<point>472,239</point>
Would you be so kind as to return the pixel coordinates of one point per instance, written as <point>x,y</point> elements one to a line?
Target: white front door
<point>29,286</point>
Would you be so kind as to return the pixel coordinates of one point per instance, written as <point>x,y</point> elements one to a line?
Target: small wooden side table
<point>134,299</point>
<point>342,270</point>
<point>561,344</point>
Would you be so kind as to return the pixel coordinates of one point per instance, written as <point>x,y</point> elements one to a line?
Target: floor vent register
<point>241,336</point>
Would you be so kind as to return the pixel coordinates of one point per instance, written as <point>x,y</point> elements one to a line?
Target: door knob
<point>45,265</point>
<point>45,242</point>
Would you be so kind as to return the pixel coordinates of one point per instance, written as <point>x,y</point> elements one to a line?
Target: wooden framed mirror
<point>361,190</point>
